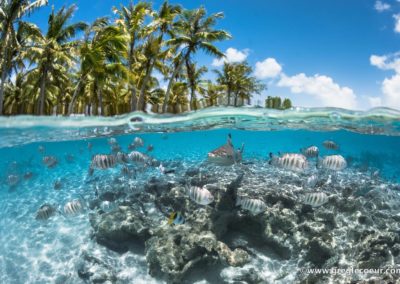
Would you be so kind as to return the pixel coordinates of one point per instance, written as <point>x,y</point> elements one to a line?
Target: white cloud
<point>397,23</point>
<point>390,86</point>
<point>269,68</point>
<point>232,55</point>
<point>391,91</point>
<point>322,88</point>
<point>381,6</point>
<point>378,61</point>
<point>386,62</point>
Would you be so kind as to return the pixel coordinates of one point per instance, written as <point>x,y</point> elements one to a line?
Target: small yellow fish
<point>176,218</point>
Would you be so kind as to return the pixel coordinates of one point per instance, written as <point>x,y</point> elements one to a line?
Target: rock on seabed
<point>358,227</point>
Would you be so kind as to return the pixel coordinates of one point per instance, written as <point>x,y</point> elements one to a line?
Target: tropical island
<point>118,64</point>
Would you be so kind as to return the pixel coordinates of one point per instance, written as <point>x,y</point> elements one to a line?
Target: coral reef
<point>357,227</point>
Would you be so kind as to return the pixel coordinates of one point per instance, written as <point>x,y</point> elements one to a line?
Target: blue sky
<point>318,53</point>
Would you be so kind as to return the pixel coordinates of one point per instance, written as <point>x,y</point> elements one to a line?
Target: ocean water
<point>53,250</point>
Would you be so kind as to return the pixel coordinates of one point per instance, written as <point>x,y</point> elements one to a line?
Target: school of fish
<point>225,155</point>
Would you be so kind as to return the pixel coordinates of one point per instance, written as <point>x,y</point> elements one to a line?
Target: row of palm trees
<point>109,67</point>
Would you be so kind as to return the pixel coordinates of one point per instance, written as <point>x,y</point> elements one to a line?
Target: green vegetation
<point>115,65</point>
<point>276,103</point>
<point>238,82</point>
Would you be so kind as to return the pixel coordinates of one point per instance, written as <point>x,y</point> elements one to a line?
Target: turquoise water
<point>50,251</point>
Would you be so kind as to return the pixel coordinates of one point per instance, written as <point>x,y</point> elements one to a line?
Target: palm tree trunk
<point>58,104</point>
<point>3,73</point>
<point>193,102</point>
<point>141,102</point>
<point>229,96</point>
<point>133,98</point>
<point>190,74</point>
<point>72,103</point>
<point>235,102</point>
<point>66,107</point>
<point>95,108</point>
<point>3,80</point>
<point>172,80</point>
<point>42,91</point>
<point>100,98</point>
<point>21,108</point>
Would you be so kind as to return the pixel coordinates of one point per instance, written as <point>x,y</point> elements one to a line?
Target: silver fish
<point>73,207</point>
<point>310,152</point>
<point>115,148</point>
<point>28,175</point>
<point>255,206</point>
<point>50,161</point>
<point>57,184</point>
<point>290,161</point>
<point>333,162</point>
<point>153,162</point>
<point>162,169</point>
<point>138,142</point>
<point>330,145</point>
<point>315,199</point>
<point>12,180</point>
<point>41,149</point>
<point>122,158</point>
<point>45,212</point>
<point>138,157</point>
<point>103,161</point>
<point>200,195</point>
<point>125,171</point>
<point>312,181</point>
<point>107,206</point>
<point>112,141</point>
<point>150,148</point>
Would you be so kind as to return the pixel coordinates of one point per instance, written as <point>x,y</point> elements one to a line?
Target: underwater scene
<point>220,195</point>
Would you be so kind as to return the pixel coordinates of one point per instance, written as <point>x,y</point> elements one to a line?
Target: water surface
<point>51,251</point>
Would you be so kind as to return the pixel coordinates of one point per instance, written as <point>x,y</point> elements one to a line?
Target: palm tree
<point>110,69</point>
<point>14,95</point>
<point>110,43</point>
<point>163,22</point>
<point>178,97</point>
<point>245,84</point>
<point>100,57</point>
<point>194,78</point>
<point>151,52</point>
<point>212,92</point>
<point>53,53</point>
<point>225,78</point>
<point>238,81</point>
<point>287,103</point>
<point>132,22</point>
<point>11,12</point>
<point>89,57</point>
<point>194,31</point>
